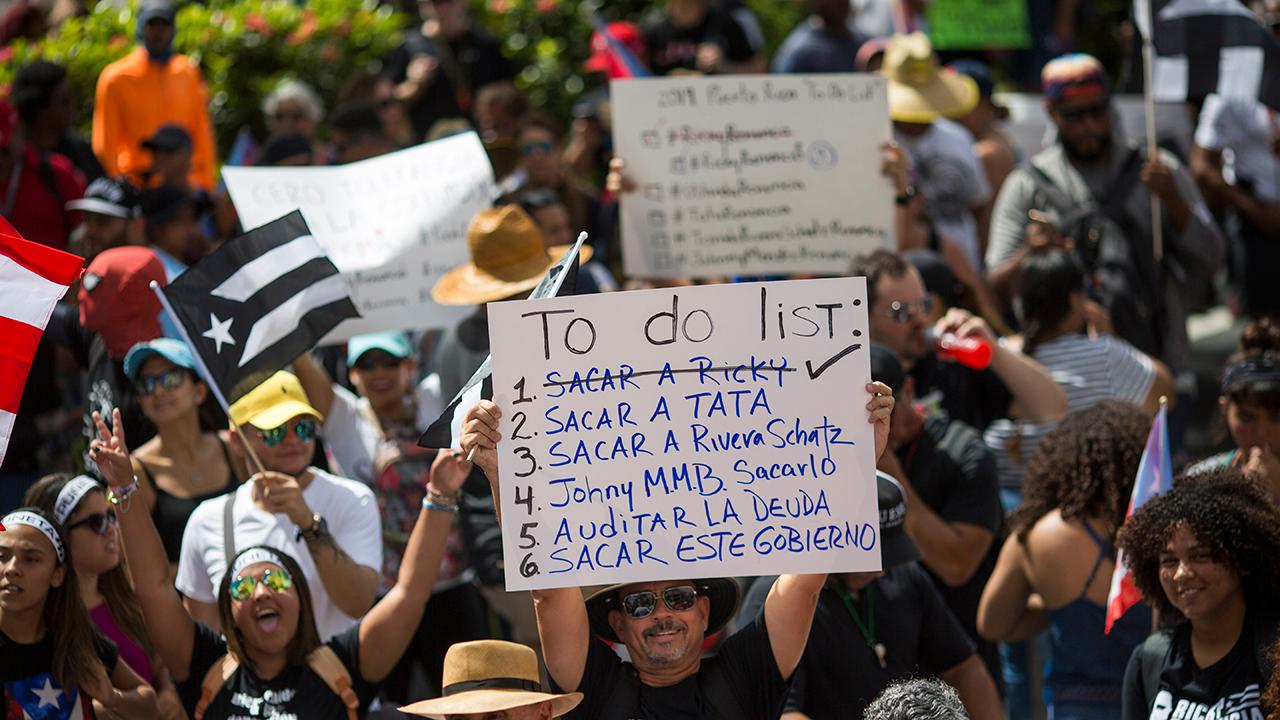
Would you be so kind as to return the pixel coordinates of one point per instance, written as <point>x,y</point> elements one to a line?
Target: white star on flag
<point>219,332</point>
<point>48,695</point>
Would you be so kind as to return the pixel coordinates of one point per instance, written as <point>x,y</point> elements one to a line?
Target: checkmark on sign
<point>813,374</point>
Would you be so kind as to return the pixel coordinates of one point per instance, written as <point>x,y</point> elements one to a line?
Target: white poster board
<point>391,224</point>
<point>752,175</point>
<point>685,433</point>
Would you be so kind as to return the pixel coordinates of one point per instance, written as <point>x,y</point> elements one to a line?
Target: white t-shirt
<point>1244,127</point>
<point>1088,371</point>
<point>950,177</point>
<point>352,436</point>
<point>347,506</point>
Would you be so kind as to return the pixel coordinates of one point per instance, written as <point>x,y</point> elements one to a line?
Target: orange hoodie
<point>135,97</point>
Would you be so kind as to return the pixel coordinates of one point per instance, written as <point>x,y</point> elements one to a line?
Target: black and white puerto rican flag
<point>259,301</point>
<point>1210,46</point>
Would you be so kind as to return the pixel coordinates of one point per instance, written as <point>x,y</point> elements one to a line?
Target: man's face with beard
<point>1084,126</point>
<point>665,637</point>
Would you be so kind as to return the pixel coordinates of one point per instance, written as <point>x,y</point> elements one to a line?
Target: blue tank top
<point>1088,665</point>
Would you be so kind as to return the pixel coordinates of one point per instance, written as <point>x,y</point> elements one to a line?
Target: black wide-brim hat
<point>724,593</point>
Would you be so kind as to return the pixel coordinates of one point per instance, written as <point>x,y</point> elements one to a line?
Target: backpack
<point>322,661</point>
<point>1120,272</point>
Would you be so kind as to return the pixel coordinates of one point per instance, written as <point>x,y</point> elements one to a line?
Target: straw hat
<point>919,90</point>
<point>490,676</point>
<point>508,257</point>
<point>724,594</point>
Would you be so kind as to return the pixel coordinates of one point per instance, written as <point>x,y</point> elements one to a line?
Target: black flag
<point>259,301</point>
<point>1210,46</point>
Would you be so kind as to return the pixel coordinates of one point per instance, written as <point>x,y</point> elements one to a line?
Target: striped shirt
<point>1088,371</point>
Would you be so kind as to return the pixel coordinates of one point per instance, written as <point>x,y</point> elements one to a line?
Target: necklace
<point>867,629</point>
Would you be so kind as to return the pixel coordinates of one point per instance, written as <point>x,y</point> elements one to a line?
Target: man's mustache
<point>666,625</point>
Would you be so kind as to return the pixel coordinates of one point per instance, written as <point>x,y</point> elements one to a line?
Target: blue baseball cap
<point>395,344</point>
<point>175,351</point>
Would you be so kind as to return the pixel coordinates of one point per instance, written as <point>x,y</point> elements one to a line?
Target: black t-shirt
<point>975,397</point>
<point>840,674</point>
<point>30,690</point>
<point>741,682</point>
<point>676,48</point>
<point>467,63</point>
<point>295,693</point>
<point>1229,689</point>
<point>954,473</point>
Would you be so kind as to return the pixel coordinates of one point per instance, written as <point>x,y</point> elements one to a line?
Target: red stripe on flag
<point>53,265</point>
<point>18,343</point>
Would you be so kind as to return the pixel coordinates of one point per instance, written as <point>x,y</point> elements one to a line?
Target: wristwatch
<point>319,526</point>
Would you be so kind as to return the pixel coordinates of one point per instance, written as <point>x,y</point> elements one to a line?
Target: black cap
<point>156,10</point>
<point>109,196</point>
<point>896,547</point>
<point>168,138</point>
<point>886,367</point>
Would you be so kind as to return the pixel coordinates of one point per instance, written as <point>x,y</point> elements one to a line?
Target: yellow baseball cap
<point>273,403</point>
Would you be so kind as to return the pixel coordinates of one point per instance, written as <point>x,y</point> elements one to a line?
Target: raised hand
<point>449,471</point>
<point>480,437</point>
<point>110,451</point>
<point>881,408</point>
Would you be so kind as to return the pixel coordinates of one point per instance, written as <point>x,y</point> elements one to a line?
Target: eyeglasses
<point>277,581</point>
<point>538,148</point>
<point>642,604</point>
<point>1097,111</point>
<point>901,312</point>
<point>304,428</point>
<point>169,380</point>
<point>100,522</point>
<point>377,361</point>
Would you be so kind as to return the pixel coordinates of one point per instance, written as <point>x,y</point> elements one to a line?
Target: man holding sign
<point>664,622</point>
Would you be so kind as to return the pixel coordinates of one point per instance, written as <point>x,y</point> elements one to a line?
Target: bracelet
<point>441,502</point>
<point>120,496</point>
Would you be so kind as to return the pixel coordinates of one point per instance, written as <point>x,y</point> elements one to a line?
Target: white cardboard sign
<point>752,174</point>
<point>684,433</point>
<point>391,224</point>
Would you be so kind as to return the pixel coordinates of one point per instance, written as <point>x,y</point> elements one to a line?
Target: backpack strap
<point>217,676</point>
<point>325,663</point>
<point>1154,651</point>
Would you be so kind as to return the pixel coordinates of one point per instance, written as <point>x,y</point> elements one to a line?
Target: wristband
<point>441,502</point>
<point>120,496</point>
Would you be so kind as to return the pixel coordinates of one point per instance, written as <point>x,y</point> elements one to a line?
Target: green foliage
<point>244,49</point>
<point>551,38</point>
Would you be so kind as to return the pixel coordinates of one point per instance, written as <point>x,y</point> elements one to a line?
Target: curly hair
<point>1224,510</point>
<point>918,699</point>
<point>1084,467</point>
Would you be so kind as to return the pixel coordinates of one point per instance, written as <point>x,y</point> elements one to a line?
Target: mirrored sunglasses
<point>277,581</point>
<point>642,604</point>
<point>901,312</point>
<point>99,522</point>
<point>169,380</point>
<point>304,428</point>
<point>543,146</point>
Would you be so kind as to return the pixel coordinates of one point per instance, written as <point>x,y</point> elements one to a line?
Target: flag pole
<point>1153,149</point>
<point>204,372</point>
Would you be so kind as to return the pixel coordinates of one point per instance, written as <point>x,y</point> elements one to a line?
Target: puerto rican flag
<point>40,698</point>
<point>33,277</point>
<point>1155,476</point>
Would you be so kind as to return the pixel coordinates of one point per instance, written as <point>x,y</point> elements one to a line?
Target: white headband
<point>71,495</point>
<point>31,519</point>
<point>253,556</point>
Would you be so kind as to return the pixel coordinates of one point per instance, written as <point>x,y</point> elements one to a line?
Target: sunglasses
<point>169,380</point>
<point>540,147</point>
<point>100,522</point>
<point>642,604</point>
<point>901,312</point>
<point>304,428</point>
<point>1097,111</point>
<point>379,361</point>
<point>277,581</point>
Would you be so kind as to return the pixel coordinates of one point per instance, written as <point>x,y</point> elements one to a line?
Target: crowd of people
<point>313,561</point>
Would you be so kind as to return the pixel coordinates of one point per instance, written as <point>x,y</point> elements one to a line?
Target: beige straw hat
<point>487,676</point>
<point>920,91</point>
<point>508,257</point>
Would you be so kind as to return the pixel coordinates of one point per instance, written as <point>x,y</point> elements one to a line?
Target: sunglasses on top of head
<point>277,581</point>
<point>643,603</point>
<point>304,428</point>
<point>99,522</point>
<point>171,379</point>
